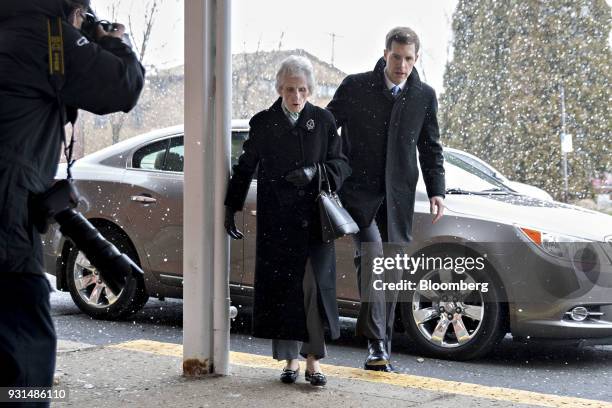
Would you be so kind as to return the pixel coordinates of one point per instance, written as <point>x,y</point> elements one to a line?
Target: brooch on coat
<point>310,124</point>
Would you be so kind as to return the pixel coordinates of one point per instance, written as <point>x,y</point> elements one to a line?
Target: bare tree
<point>140,43</point>
<point>151,9</point>
<point>252,69</point>
<point>112,10</point>
<point>280,42</point>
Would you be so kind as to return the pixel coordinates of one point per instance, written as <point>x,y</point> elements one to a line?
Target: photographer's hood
<point>12,8</point>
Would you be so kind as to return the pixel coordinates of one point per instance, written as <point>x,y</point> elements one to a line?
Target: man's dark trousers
<point>377,311</point>
<point>27,336</point>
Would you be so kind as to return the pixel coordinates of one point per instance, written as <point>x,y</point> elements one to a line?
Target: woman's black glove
<point>301,177</point>
<point>230,224</point>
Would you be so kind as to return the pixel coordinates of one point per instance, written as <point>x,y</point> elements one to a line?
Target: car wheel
<point>89,291</point>
<point>457,325</point>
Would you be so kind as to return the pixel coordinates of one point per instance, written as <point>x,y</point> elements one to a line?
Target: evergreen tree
<point>502,89</point>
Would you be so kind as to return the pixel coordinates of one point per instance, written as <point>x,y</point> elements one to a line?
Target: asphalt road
<point>558,370</point>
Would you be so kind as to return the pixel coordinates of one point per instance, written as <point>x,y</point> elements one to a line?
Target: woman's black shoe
<point>316,379</point>
<point>289,376</point>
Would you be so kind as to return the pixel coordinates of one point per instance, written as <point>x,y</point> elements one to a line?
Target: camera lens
<point>106,25</point>
<point>113,266</point>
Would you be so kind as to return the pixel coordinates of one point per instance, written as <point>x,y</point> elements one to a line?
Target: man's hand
<point>117,31</point>
<point>230,224</point>
<point>436,208</point>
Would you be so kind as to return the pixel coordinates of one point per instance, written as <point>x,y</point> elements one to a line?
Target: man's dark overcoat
<point>381,135</point>
<point>288,228</point>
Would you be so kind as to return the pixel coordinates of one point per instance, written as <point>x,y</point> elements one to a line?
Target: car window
<point>152,156</point>
<point>238,138</point>
<point>175,159</point>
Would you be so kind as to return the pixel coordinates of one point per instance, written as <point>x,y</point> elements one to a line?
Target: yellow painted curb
<point>400,380</point>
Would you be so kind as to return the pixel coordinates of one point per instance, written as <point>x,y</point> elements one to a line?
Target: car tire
<point>478,319</point>
<point>90,293</point>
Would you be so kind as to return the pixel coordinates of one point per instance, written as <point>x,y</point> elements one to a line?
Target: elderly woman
<point>295,277</point>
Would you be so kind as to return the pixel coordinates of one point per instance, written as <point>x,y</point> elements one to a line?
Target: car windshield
<point>480,165</point>
<point>464,177</point>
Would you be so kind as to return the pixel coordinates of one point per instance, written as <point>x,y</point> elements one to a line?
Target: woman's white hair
<point>296,65</point>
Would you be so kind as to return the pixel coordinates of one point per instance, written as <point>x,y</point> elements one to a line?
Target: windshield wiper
<point>499,190</point>
<point>458,191</point>
<point>483,192</point>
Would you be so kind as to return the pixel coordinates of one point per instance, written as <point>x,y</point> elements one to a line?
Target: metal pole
<point>563,136</point>
<point>207,154</point>
<point>333,50</point>
<point>565,184</point>
<point>198,225</point>
<point>221,159</point>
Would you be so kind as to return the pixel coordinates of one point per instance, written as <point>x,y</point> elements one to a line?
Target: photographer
<point>100,74</point>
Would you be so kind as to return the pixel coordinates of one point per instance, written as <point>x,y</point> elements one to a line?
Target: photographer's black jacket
<point>101,77</point>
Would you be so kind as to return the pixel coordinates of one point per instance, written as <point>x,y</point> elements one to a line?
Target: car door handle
<point>145,199</point>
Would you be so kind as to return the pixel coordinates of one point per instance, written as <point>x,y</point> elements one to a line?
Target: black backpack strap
<point>57,79</point>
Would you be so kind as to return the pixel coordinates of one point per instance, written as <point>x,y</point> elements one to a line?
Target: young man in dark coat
<point>385,116</point>
<point>101,77</point>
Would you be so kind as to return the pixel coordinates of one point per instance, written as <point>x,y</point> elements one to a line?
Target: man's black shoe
<point>378,359</point>
<point>387,368</point>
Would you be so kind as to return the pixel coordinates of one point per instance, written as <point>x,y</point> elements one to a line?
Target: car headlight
<point>552,243</point>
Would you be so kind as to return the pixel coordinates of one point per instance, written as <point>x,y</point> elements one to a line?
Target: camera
<point>59,203</point>
<point>90,24</point>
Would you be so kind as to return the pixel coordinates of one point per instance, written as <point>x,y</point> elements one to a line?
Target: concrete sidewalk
<point>149,374</point>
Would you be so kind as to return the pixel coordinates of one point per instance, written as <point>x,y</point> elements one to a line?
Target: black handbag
<point>336,222</point>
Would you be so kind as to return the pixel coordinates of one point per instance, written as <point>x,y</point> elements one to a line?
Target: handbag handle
<point>323,177</point>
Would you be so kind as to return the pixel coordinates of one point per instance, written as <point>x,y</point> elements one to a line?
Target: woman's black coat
<point>288,228</point>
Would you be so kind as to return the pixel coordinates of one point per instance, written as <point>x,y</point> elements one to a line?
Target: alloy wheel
<point>448,318</point>
<point>90,286</point>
